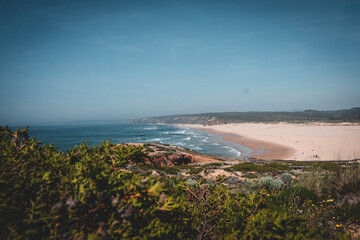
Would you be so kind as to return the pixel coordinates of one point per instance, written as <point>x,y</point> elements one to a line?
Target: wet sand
<point>261,149</point>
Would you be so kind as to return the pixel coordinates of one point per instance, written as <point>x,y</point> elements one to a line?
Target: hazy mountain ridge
<point>348,115</point>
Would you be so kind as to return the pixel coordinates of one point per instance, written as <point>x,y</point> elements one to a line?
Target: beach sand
<point>290,141</point>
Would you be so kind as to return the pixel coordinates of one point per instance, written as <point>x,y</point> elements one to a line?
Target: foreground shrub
<point>348,178</point>
<point>87,193</point>
<point>268,224</point>
<point>347,212</point>
<point>272,184</point>
<point>216,212</point>
<point>49,194</point>
<point>293,197</point>
<point>316,180</point>
<point>287,179</point>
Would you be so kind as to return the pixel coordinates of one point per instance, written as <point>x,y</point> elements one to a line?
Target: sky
<point>110,60</point>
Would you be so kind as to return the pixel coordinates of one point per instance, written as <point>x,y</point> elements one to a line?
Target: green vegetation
<point>214,165</point>
<point>272,184</point>
<point>106,192</point>
<point>250,175</point>
<point>329,166</point>
<point>345,115</point>
<point>251,167</point>
<point>191,169</point>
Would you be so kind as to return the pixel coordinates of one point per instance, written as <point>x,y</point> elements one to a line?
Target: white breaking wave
<point>232,150</point>
<point>153,140</point>
<point>187,139</point>
<point>236,152</point>
<point>196,148</point>
<point>180,132</point>
<point>151,128</point>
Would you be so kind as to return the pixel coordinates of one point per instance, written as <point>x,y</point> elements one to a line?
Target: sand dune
<point>311,141</point>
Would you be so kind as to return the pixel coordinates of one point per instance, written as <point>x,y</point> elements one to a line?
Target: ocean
<point>67,136</point>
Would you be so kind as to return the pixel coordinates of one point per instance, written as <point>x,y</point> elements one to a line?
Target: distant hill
<point>348,115</point>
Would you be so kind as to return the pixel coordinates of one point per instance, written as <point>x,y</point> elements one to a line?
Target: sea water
<point>66,137</point>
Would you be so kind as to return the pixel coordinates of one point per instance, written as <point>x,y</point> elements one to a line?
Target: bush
<point>49,194</point>
<point>268,224</point>
<point>250,175</point>
<point>271,184</point>
<point>191,169</point>
<point>287,179</point>
<point>216,212</point>
<point>329,166</point>
<point>294,197</point>
<point>87,193</point>
<point>348,177</point>
<point>316,180</point>
<point>251,167</point>
<point>347,212</point>
<point>168,170</point>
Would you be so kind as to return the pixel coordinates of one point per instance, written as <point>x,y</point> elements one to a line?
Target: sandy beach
<point>288,141</point>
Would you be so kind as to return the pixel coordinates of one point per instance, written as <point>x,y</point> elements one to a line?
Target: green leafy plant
<point>268,224</point>
<point>271,184</point>
<point>97,193</point>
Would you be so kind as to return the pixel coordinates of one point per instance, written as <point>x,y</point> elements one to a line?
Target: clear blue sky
<point>92,60</point>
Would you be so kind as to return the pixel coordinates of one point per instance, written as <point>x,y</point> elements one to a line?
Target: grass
<point>250,175</point>
<point>328,166</point>
<point>173,170</point>
<point>251,167</point>
<point>214,165</point>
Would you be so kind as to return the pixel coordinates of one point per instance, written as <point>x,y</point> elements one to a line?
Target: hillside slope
<point>348,115</point>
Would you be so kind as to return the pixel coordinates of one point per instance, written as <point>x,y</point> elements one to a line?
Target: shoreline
<point>288,141</point>
<point>260,149</point>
